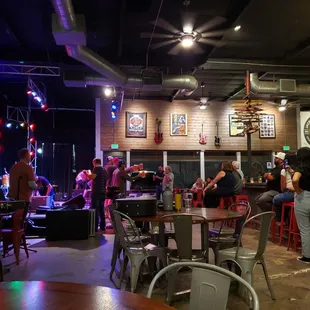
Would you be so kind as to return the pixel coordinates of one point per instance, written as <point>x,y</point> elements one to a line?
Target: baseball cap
<point>110,158</point>
<point>280,155</point>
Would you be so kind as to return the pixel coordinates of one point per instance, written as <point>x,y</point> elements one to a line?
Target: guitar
<point>202,137</point>
<point>158,138</point>
<point>217,138</point>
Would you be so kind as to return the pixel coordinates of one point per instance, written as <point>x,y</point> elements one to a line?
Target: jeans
<point>264,200</point>
<point>97,203</point>
<point>302,212</point>
<point>287,196</point>
<point>159,190</point>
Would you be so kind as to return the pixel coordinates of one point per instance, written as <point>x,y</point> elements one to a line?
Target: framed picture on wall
<point>235,128</point>
<point>267,129</point>
<point>135,125</point>
<point>178,124</point>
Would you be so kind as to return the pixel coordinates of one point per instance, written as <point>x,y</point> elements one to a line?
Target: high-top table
<point>210,215</point>
<point>39,295</point>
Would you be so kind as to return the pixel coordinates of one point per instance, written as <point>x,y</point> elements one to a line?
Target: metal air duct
<point>270,87</point>
<point>69,30</point>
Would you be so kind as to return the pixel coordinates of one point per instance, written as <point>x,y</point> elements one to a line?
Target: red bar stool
<point>284,227</point>
<point>242,197</point>
<point>226,202</point>
<point>293,231</point>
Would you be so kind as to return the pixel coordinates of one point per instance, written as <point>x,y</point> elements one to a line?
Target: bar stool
<point>242,197</point>
<point>284,227</point>
<point>226,202</point>
<point>293,231</point>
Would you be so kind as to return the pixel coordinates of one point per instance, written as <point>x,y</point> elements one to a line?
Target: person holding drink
<point>158,179</point>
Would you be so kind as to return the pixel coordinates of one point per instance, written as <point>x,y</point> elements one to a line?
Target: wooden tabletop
<point>209,214</point>
<point>39,295</point>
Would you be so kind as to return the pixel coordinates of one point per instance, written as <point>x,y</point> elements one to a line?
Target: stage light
<point>237,28</point>
<point>113,107</point>
<point>32,140</point>
<point>22,124</point>
<point>113,115</point>
<point>29,92</point>
<point>32,126</point>
<point>34,93</point>
<point>43,106</point>
<point>108,92</point>
<point>37,98</point>
<point>31,153</point>
<point>1,148</point>
<point>8,125</point>
<point>39,150</point>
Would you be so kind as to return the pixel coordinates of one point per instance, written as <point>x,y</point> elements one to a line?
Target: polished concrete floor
<point>89,262</point>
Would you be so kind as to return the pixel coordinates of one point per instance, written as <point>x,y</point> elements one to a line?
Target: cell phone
<point>285,164</point>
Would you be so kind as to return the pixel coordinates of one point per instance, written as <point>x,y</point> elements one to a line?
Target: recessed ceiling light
<point>187,41</point>
<point>237,28</point>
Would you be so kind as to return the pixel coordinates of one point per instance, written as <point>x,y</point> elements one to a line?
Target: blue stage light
<point>8,125</point>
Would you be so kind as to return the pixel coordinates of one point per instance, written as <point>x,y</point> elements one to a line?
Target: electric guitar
<point>217,138</point>
<point>158,135</point>
<point>202,137</point>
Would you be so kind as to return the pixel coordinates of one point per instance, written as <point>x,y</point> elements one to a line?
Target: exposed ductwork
<point>69,30</point>
<point>282,86</point>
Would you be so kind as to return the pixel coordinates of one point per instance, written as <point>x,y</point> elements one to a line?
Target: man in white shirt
<point>168,179</point>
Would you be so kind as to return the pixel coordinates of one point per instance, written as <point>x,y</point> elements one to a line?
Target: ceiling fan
<point>189,37</point>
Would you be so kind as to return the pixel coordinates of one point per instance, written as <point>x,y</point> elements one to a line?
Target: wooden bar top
<point>40,295</point>
<point>209,214</point>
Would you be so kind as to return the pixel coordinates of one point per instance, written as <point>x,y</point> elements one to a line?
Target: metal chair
<point>209,286</point>
<point>245,258</point>
<point>136,254</point>
<point>117,248</point>
<point>228,238</point>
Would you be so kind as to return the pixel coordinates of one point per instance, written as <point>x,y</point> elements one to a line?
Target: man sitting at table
<point>273,185</point>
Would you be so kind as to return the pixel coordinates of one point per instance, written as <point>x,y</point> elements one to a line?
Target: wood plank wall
<point>286,133</point>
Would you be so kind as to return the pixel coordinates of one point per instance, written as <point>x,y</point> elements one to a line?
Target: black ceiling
<point>273,32</point>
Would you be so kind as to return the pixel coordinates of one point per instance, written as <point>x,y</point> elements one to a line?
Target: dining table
<point>41,295</point>
<point>204,216</point>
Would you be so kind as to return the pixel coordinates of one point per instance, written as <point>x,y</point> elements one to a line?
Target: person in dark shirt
<point>158,178</point>
<point>99,181</point>
<point>44,187</point>
<point>301,184</point>
<point>273,186</point>
<point>110,167</point>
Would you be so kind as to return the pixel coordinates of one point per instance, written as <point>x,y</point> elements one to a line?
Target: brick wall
<point>218,111</point>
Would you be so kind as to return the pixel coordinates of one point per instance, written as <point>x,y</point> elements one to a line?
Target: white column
<point>298,125</point>
<point>165,158</point>
<point>273,154</point>
<point>127,166</point>
<point>238,158</point>
<point>98,152</point>
<point>202,165</point>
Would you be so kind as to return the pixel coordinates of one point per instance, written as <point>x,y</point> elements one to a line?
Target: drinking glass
<point>188,204</point>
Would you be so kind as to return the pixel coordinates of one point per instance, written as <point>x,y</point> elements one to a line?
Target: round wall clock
<point>307,130</point>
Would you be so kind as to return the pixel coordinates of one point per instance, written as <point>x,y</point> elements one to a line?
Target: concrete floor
<point>88,262</point>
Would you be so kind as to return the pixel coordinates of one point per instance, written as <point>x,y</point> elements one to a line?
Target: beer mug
<point>142,173</point>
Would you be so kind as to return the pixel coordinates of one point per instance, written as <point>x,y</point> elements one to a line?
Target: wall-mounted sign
<point>236,129</point>
<point>135,125</point>
<point>286,147</point>
<point>114,146</point>
<point>304,129</point>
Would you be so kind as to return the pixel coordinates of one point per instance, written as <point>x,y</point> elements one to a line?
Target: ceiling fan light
<point>188,29</point>
<point>202,106</point>
<point>282,108</point>
<point>187,41</point>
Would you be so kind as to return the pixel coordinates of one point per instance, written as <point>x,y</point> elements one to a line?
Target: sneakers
<point>303,259</point>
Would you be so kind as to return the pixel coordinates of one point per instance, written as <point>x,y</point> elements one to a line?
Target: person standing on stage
<point>158,179</point>
<point>99,181</point>
<point>22,180</point>
<point>120,176</point>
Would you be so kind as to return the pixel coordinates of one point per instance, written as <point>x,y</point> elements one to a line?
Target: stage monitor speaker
<point>75,201</point>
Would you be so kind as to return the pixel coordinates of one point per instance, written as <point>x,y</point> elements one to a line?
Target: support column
<point>127,166</point>
<point>238,158</point>
<point>249,149</point>
<point>98,152</point>
<point>165,158</point>
<point>298,125</point>
<point>202,165</point>
<point>273,154</point>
